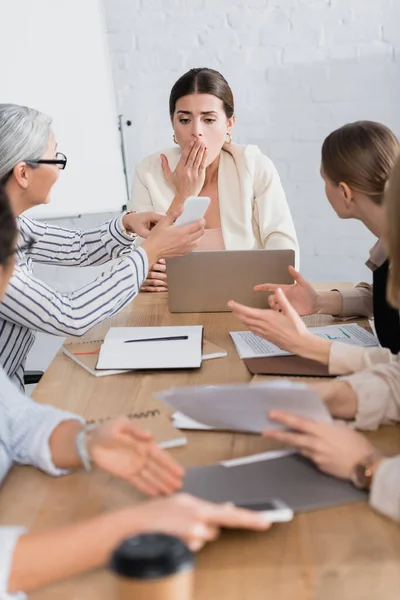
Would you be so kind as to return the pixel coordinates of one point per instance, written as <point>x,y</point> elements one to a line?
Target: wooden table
<point>334,554</point>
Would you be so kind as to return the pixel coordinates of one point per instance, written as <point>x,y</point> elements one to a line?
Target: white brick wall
<point>298,69</point>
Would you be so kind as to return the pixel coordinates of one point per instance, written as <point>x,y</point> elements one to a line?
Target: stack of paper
<point>242,408</point>
<point>250,345</point>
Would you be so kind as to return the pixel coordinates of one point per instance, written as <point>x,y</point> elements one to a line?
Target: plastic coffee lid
<point>151,556</point>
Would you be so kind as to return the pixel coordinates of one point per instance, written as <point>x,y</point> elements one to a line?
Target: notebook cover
<point>115,355</point>
<point>287,365</point>
<point>293,479</point>
<point>156,420</point>
<point>86,354</point>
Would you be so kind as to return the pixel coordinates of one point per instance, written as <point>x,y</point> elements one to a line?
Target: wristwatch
<point>364,471</point>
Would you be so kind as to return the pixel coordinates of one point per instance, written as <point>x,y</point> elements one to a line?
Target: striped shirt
<point>25,430</point>
<point>30,305</point>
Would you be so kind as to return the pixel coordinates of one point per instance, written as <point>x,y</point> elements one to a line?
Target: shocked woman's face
<point>202,116</point>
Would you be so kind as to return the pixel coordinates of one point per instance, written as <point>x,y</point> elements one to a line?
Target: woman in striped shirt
<point>54,441</point>
<point>29,167</point>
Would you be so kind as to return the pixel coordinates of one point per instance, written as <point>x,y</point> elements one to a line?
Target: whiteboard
<point>54,57</point>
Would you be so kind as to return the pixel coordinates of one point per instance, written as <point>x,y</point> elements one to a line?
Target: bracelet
<point>81,447</point>
<point>131,234</point>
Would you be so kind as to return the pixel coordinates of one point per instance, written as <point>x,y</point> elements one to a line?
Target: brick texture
<point>298,69</point>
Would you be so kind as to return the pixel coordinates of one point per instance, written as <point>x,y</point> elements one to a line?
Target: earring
<point>228,139</point>
<point>174,138</point>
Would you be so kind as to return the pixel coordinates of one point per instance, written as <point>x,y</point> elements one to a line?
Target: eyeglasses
<point>60,160</point>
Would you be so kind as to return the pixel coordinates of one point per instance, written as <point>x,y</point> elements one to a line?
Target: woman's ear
<point>231,123</point>
<point>347,194</point>
<point>21,174</point>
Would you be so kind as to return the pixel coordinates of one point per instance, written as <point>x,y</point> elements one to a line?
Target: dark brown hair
<point>392,201</point>
<point>8,229</point>
<point>202,81</point>
<point>362,155</point>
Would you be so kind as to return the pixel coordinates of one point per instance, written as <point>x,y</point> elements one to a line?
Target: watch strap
<point>364,471</point>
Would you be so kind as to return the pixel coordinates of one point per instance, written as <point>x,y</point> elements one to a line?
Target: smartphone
<point>194,209</point>
<point>275,511</point>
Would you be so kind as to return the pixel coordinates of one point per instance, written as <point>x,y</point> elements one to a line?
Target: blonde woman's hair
<point>361,154</point>
<point>392,201</point>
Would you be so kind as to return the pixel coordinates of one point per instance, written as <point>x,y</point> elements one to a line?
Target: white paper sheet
<point>373,328</point>
<point>245,407</point>
<point>262,456</point>
<point>181,421</point>
<point>250,345</point>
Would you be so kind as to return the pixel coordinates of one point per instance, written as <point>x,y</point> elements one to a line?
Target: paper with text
<point>250,345</point>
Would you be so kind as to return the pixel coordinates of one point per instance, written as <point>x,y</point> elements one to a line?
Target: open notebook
<point>86,355</point>
<point>262,357</point>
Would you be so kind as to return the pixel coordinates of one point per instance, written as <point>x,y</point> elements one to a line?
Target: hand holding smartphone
<point>194,209</point>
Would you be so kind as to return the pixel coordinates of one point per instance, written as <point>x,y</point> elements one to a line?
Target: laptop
<point>206,281</point>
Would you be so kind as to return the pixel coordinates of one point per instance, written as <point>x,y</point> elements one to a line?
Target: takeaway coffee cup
<point>153,567</point>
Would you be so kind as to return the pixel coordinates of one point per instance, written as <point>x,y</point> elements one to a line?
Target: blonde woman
<point>370,397</point>
<point>248,207</point>
<point>356,163</point>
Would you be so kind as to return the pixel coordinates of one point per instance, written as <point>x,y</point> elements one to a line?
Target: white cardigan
<point>253,206</point>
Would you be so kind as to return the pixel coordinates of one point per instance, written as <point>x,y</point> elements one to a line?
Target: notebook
<point>151,348</point>
<point>158,423</point>
<point>211,351</point>
<point>284,475</point>
<point>262,357</point>
<point>86,355</point>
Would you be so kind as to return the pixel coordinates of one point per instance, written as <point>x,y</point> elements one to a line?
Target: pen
<point>159,339</point>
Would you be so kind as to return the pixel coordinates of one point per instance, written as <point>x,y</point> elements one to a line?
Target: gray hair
<point>24,135</point>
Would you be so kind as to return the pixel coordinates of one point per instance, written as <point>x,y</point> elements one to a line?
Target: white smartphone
<point>274,511</point>
<point>194,209</point>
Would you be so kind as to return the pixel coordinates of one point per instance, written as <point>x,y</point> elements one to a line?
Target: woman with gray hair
<point>29,167</point>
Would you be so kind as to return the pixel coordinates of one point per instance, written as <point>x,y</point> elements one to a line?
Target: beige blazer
<point>253,206</point>
<point>376,382</point>
<point>385,491</point>
<point>359,301</point>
